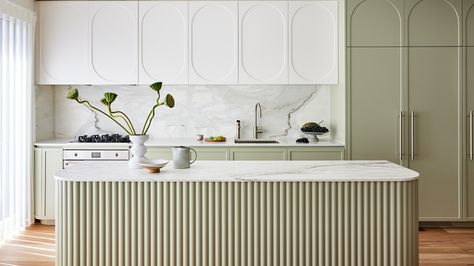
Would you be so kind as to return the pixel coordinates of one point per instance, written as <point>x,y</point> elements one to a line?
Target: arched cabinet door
<point>434,22</point>
<point>213,42</point>
<point>263,29</point>
<point>375,23</point>
<point>163,42</point>
<point>469,22</point>
<point>114,46</point>
<point>313,43</point>
<point>63,49</point>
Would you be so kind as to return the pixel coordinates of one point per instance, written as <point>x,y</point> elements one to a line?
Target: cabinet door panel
<point>163,42</point>
<point>469,190</point>
<point>114,42</point>
<point>434,78</point>
<point>263,33</point>
<point>258,154</point>
<point>313,42</point>
<point>375,22</point>
<point>213,42</point>
<point>213,154</point>
<point>469,23</point>
<point>312,154</point>
<point>63,42</point>
<point>434,22</point>
<point>47,163</point>
<point>375,89</point>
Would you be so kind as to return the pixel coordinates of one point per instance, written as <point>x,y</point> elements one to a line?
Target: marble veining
<point>245,171</point>
<point>210,110</point>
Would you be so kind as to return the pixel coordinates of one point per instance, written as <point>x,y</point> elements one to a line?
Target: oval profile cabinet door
<point>114,46</point>
<point>63,45</point>
<point>213,42</point>
<point>263,29</point>
<point>163,42</point>
<point>469,22</point>
<point>313,42</point>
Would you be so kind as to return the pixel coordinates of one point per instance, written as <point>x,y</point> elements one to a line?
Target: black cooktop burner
<point>114,138</point>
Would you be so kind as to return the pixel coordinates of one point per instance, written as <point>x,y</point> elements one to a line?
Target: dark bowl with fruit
<point>314,129</point>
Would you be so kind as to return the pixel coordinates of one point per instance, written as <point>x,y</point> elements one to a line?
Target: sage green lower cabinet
<point>258,154</point>
<point>313,154</point>
<point>204,153</point>
<point>375,100</point>
<point>159,153</point>
<point>434,91</point>
<point>47,162</point>
<point>255,153</point>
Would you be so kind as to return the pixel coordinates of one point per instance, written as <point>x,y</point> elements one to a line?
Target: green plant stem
<point>90,106</point>
<point>123,116</point>
<point>149,119</point>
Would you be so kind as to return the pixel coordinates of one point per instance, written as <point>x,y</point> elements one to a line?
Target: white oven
<point>74,156</point>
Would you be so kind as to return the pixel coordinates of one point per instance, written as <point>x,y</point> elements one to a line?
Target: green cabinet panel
<point>434,89</point>
<point>47,162</point>
<point>258,154</point>
<point>469,184</point>
<point>375,22</point>
<point>204,153</point>
<point>434,22</point>
<point>159,153</point>
<point>213,154</point>
<point>313,154</point>
<point>375,102</point>
<point>468,23</point>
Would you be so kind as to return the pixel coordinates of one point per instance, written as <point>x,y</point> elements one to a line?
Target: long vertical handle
<point>412,128</point>
<point>470,135</point>
<point>400,136</point>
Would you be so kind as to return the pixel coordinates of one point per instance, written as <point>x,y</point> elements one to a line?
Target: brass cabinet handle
<point>400,137</point>
<point>470,135</point>
<point>412,129</point>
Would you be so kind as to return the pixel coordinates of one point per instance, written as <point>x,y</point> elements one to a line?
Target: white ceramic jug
<point>182,157</point>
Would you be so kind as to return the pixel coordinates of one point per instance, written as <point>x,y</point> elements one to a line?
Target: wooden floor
<point>438,246</point>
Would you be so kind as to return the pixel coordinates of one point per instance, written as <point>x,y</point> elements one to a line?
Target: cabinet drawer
<point>204,154</point>
<point>260,154</point>
<point>310,154</point>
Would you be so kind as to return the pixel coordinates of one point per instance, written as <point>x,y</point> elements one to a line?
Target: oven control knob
<point>116,154</point>
<point>75,154</point>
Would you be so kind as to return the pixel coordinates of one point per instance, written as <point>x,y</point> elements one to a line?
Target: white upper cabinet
<point>63,46</point>
<point>313,42</point>
<point>213,42</point>
<point>188,42</point>
<point>163,42</point>
<point>114,41</point>
<point>263,32</point>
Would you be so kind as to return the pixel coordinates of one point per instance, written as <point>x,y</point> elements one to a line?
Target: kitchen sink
<point>257,141</point>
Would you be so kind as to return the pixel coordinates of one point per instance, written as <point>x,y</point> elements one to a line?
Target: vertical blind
<point>16,53</point>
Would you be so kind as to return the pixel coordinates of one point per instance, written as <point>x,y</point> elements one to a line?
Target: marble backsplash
<point>210,110</point>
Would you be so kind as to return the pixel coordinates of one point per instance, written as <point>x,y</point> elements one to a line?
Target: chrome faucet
<point>237,129</point>
<point>257,129</point>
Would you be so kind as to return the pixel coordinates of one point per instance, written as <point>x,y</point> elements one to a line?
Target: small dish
<point>153,166</point>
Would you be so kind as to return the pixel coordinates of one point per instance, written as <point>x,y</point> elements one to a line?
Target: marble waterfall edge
<point>210,110</point>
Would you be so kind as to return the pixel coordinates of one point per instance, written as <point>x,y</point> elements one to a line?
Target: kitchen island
<point>238,213</point>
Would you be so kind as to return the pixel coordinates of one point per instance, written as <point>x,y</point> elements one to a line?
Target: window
<point>16,51</point>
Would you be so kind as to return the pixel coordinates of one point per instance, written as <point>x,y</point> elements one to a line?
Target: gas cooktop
<point>112,138</point>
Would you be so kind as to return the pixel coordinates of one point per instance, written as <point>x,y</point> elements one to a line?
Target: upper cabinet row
<point>181,42</point>
<point>410,23</point>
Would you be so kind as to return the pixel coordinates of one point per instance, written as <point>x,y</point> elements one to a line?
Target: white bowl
<point>153,166</point>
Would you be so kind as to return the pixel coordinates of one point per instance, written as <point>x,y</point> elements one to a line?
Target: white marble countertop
<point>245,171</point>
<point>169,142</point>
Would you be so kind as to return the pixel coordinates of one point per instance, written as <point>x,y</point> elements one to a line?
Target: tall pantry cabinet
<point>406,94</point>
<point>468,16</point>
